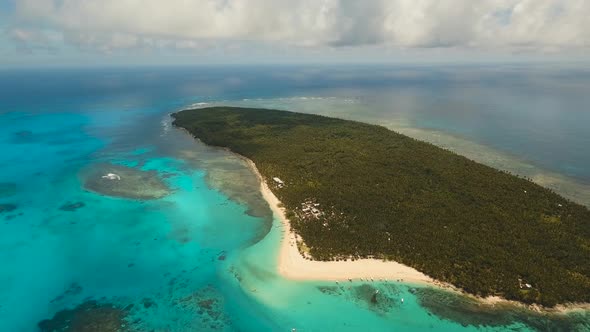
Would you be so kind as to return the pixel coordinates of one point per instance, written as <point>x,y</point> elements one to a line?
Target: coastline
<point>293,266</point>
<point>566,186</point>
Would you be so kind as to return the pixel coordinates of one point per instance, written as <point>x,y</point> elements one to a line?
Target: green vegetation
<point>388,196</point>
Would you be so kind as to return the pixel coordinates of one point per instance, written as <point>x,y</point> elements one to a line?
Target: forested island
<point>355,190</point>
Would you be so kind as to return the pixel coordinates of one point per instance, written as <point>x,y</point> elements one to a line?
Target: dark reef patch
<point>90,316</point>
<point>331,290</point>
<point>72,206</point>
<point>461,309</point>
<point>73,289</point>
<point>168,175</point>
<point>7,207</point>
<point>148,303</point>
<point>125,182</point>
<point>380,298</point>
<point>222,256</point>
<point>205,308</point>
<point>209,305</point>
<point>468,311</point>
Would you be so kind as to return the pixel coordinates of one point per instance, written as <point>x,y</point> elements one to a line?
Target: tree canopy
<point>380,194</point>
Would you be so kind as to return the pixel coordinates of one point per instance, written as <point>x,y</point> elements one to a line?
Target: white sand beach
<point>293,265</point>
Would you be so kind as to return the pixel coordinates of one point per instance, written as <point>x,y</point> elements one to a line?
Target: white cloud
<point>29,40</point>
<point>533,25</point>
<point>103,42</point>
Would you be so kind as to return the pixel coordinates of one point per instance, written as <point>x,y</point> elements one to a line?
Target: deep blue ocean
<point>190,244</point>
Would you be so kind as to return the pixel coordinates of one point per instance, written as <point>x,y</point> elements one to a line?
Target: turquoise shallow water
<point>203,257</point>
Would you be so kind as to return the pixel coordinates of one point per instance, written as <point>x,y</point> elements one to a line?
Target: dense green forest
<point>385,195</point>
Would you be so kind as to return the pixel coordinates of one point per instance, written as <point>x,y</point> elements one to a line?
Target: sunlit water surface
<point>191,245</point>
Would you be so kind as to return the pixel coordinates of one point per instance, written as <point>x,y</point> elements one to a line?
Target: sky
<point>191,32</point>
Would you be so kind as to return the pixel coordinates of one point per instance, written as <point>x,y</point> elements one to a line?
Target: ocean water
<point>190,245</point>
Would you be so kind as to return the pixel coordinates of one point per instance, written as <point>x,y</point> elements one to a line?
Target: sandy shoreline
<point>292,264</point>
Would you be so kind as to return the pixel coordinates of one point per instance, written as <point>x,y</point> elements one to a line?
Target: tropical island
<point>353,191</point>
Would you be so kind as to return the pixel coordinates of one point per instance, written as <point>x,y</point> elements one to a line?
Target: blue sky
<point>185,32</point>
